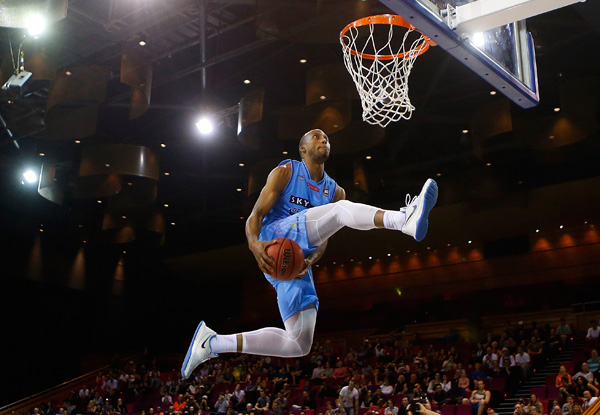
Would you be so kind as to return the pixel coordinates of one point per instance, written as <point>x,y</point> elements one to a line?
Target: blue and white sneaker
<point>199,350</point>
<point>417,210</point>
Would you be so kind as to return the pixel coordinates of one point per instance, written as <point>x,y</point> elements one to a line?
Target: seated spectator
<point>249,409</point>
<point>480,398</point>
<point>401,385</point>
<point>180,404</point>
<point>582,385</point>
<point>439,396</point>
<point>584,373</point>
<point>446,384</point>
<point>166,400</point>
<point>449,364</point>
<point>555,410</point>
<point>402,409</point>
<point>464,383</point>
<point>594,331</point>
<point>534,405</point>
<point>221,405</point>
<point>386,388</point>
<point>518,409</point>
<point>566,389</point>
<point>588,400</point>
<point>318,371</point>
<point>489,358</point>
<point>594,361</point>
<point>331,409</point>
<point>341,371</point>
<point>238,397</point>
<point>262,403</point>
<point>523,360</point>
<point>204,406</point>
<point>477,373</point>
<point>390,408</point>
<point>437,379</point>
<point>276,409</point>
<point>563,331</point>
<point>306,401</point>
<point>562,372</point>
<point>567,406</point>
<point>576,409</point>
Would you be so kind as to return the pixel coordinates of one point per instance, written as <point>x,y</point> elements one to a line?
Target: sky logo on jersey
<point>300,201</point>
<point>313,187</point>
<point>326,191</point>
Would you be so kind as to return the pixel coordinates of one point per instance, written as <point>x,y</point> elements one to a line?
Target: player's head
<point>314,146</point>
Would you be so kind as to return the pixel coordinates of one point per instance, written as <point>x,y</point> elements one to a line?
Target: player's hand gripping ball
<point>289,259</point>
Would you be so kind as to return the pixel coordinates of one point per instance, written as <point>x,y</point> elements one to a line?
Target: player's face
<point>317,145</point>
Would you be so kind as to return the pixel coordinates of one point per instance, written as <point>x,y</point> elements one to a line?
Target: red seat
<point>448,409</point>
<point>540,392</point>
<point>551,379</point>
<point>552,393</point>
<point>570,366</point>
<point>464,409</point>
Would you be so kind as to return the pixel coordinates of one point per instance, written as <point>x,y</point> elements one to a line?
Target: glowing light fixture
<point>36,24</point>
<point>478,39</point>
<point>205,125</point>
<point>30,176</point>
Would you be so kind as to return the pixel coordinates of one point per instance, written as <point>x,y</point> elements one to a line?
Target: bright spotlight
<point>30,176</point>
<point>478,39</point>
<point>36,24</point>
<point>205,125</point>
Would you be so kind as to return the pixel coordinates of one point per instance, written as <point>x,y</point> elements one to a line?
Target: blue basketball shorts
<point>294,295</point>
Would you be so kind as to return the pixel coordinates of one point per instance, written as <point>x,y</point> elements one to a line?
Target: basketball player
<point>301,202</point>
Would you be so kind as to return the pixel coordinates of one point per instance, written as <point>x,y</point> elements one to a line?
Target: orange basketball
<point>289,259</point>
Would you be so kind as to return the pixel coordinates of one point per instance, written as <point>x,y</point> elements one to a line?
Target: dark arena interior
<point>132,230</point>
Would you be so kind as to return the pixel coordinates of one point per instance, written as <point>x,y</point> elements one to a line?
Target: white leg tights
<point>295,341</point>
<point>323,221</point>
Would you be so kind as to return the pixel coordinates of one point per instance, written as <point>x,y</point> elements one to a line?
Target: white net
<point>381,73</point>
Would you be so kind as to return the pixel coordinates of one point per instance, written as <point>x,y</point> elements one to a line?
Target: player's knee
<point>304,347</point>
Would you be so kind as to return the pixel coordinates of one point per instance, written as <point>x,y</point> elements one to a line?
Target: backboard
<point>504,56</point>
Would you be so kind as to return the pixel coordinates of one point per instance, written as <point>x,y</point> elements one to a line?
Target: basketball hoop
<point>381,73</point>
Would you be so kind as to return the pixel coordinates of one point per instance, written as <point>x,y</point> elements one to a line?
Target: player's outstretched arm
<point>340,194</point>
<point>276,182</point>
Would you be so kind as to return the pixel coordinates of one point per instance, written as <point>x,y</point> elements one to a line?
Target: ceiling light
<point>123,217</point>
<point>241,217</point>
<point>166,205</point>
<point>106,164</point>
<point>368,157</point>
<point>30,176</point>
<point>42,154</point>
<point>172,223</point>
<point>163,145</point>
<point>493,92</point>
<point>142,43</point>
<point>241,164</point>
<point>389,254</point>
<point>36,24</point>
<point>99,201</point>
<point>284,152</point>
<point>551,137</point>
<point>238,189</point>
<point>247,81</point>
<point>129,184</point>
<point>478,39</point>
<point>438,174</point>
<point>560,226</point>
<point>77,141</point>
<point>370,257</point>
<point>167,173</point>
<point>302,60</point>
<point>557,109</point>
<point>322,97</point>
<point>537,231</point>
<point>205,125</point>
<point>488,164</point>
<point>68,73</point>
<point>470,241</point>
<point>465,131</point>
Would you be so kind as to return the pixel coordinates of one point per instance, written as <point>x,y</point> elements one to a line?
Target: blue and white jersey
<point>300,193</point>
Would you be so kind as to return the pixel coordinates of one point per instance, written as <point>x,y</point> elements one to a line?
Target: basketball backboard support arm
<point>483,15</point>
<point>519,85</point>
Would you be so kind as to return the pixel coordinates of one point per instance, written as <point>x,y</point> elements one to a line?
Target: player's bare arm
<point>340,194</point>
<point>276,182</point>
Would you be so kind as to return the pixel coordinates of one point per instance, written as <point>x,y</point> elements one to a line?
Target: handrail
<point>594,409</point>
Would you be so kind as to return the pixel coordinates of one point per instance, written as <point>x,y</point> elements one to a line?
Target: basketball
<point>289,259</point>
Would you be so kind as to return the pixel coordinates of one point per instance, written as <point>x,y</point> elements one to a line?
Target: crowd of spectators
<point>377,378</point>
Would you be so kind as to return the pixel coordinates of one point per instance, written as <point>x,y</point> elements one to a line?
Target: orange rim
<point>391,19</point>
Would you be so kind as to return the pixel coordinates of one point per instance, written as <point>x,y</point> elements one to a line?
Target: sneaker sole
<point>429,201</point>
<point>190,351</point>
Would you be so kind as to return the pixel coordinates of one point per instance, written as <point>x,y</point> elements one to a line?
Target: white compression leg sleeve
<point>323,221</point>
<point>295,341</point>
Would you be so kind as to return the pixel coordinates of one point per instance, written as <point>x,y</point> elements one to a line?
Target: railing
<point>61,391</point>
<point>594,409</point>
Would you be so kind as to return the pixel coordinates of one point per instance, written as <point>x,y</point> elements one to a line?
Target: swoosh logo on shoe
<point>204,342</point>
